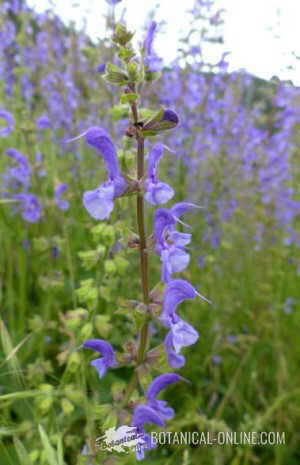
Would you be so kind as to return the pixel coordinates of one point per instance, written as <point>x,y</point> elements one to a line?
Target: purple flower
<point>151,60</point>
<point>144,414</point>
<point>101,68</point>
<point>165,221</point>
<point>170,116</point>
<point>175,360</point>
<point>174,260</point>
<point>216,359</point>
<point>169,242</point>
<point>113,2</point>
<point>100,202</point>
<point>20,173</point>
<point>31,207</point>
<point>156,192</point>
<point>176,292</point>
<point>231,338</point>
<point>9,120</point>
<point>43,122</point>
<point>181,334</point>
<point>161,121</point>
<point>55,252</point>
<point>105,348</point>
<point>288,305</point>
<point>58,191</point>
<point>157,385</point>
<point>154,411</point>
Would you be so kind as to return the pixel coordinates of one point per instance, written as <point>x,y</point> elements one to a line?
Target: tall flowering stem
<point>169,243</point>
<point>142,237</point>
<point>140,212</point>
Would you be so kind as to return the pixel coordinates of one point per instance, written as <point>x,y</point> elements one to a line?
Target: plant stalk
<point>143,336</point>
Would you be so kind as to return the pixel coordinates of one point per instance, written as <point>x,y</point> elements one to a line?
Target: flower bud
<point>67,406</point>
<point>122,36</point>
<point>161,121</point>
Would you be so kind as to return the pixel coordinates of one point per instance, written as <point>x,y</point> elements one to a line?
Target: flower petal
<point>158,193</point>
<point>9,120</point>
<point>183,335</point>
<point>100,366</point>
<point>163,219</point>
<point>180,208</point>
<point>178,259</point>
<point>176,292</point>
<point>154,157</point>
<point>100,140</point>
<point>104,348</point>
<point>58,191</point>
<point>180,239</point>
<point>171,117</point>
<point>99,202</point>
<point>148,42</point>
<point>174,360</point>
<point>31,207</point>
<point>160,383</point>
<point>144,414</point>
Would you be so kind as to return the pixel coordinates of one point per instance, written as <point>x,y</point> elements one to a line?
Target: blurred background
<point>231,72</point>
<point>261,37</point>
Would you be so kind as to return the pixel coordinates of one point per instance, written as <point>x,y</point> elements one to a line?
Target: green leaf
<point>118,112</point>
<point>20,395</point>
<point>151,76</point>
<point>111,420</point>
<point>155,118</point>
<point>22,452</point>
<point>102,410</point>
<point>126,53</point>
<point>129,98</point>
<point>157,124</point>
<point>115,75</point>
<point>133,72</point>
<point>10,352</point>
<point>49,449</point>
<point>102,324</point>
<point>60,452</point>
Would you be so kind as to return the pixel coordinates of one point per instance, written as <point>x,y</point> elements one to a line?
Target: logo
<point>121,439</point>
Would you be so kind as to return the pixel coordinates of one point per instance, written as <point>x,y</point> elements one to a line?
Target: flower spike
<point>105,348</point>
<point>100,201</point>
<point>156,192</point>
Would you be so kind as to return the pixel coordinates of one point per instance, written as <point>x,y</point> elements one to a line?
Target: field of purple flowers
<point>81,270</point>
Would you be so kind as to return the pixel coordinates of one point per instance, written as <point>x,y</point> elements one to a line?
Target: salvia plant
<point>69,268</point>
<point>160,305</point>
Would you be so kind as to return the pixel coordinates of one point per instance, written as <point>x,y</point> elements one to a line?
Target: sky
<point>261,35</point>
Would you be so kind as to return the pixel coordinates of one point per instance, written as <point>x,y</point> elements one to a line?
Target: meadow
<point>67,278</point>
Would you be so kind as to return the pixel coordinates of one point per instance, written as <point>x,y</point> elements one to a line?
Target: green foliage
<point>52,403</point>
<point>115,75</point>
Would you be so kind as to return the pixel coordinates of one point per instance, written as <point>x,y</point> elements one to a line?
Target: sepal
<point>115,75</point>
<point>121,35</point>
<point>163,120</point>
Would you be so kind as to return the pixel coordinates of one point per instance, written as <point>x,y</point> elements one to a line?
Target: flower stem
<point>141,224</point>
<point>143,336</point>
<point>142,240</point>
<point>129,390</point>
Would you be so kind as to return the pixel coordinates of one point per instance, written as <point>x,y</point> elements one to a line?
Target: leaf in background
<point>22,452</point>
<point>10,353</point>
<point>48,448</point>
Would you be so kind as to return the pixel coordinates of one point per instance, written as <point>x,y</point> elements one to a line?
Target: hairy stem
<point>141,224</point>
<point>129,390</point>
<point>143,336</point>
